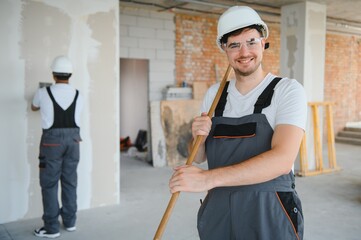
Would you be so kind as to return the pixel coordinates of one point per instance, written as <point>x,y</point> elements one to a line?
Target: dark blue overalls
<point>264,211</point>
<point>58,160</point>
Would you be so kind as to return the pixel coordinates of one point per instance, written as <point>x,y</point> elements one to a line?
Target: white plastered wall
<point>33,32</point>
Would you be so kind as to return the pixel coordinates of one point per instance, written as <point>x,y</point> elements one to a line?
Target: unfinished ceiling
<point>341,14</point>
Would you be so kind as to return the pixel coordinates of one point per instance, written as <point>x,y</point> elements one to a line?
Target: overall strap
<point>63,118</point>
<point>50,94</point>
<point>218,112</point>
<point>53,99</point>
<point>264,100</point>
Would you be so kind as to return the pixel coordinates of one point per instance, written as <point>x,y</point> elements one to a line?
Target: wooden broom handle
<point>197,143</point>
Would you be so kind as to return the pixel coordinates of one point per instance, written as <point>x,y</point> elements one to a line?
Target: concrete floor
<point>331,205</point>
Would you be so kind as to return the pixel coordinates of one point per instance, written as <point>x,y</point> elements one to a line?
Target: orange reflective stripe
<point>289,219</point>
<point>50,144</point>
<point>248,136</point>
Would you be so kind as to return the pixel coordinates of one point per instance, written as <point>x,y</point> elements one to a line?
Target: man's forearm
<point>258,169</point>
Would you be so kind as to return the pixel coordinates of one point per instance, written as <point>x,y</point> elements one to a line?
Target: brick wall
<point>197,56</point>
<point>271,57</point>
<point>343,78</point>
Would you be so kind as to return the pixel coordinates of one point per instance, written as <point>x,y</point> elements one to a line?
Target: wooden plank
<point>199,89</point>
<point>317,137</point>
<point>314,173</point>
<point>330,137</point>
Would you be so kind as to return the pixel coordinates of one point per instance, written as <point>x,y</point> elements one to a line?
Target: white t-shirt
<point>64,95</point>
<point>288,106</point>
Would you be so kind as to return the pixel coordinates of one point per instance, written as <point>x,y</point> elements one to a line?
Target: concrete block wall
<point>146,34</point>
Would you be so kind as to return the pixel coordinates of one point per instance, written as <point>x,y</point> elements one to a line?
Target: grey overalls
<point>58,160</point>
<point>265,211</point>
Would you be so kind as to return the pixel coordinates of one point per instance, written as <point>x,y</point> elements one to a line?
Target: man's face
<point>245,51</point>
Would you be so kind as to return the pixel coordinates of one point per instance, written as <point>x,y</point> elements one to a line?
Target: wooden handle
<point>197,143</point>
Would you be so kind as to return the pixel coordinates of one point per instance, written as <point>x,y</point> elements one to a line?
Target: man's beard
<point>247,73</point>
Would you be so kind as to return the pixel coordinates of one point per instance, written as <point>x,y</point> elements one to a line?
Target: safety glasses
<point>250,44</point>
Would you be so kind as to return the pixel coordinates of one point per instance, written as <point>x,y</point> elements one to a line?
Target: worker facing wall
<point>36,32</point>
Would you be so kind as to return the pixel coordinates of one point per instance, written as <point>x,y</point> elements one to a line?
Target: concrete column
<point>303,34</point>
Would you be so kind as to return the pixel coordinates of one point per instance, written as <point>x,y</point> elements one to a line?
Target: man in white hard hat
<point>60,106</point>
<point>251,143</point>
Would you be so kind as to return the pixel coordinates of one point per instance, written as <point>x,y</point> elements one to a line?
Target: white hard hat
<point>238,17</point>
<point>62,64</point>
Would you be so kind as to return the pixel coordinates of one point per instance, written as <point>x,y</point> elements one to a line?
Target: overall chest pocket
<point>244,130</point>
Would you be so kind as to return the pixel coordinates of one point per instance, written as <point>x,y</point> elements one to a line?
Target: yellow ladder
<point>332,165</point>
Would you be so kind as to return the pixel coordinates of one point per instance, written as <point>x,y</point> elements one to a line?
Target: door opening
<point>134,119</point>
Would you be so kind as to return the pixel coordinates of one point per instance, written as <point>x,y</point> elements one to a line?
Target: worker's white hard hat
<point>238,17</point>
<point>62,64</point>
